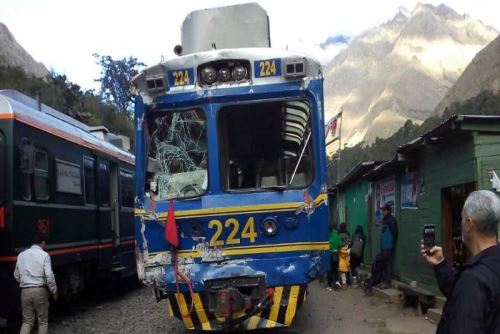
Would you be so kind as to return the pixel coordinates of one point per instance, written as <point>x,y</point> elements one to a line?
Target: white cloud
<point>64,34</point>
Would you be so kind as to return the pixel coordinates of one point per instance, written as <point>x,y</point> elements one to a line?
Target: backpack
<point>357,246</point>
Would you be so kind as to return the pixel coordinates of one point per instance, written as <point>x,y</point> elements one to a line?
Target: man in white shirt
<point>34,274</point>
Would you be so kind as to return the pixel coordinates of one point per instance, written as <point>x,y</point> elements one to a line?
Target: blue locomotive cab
<point>231,215</point>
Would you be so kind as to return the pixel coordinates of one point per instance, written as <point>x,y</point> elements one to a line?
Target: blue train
<point>230,209</point>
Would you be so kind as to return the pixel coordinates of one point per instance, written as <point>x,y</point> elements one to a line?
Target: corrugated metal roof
<point>357,172</point>
<point>437,134</point>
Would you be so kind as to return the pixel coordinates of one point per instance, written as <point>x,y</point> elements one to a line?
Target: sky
<point>64,34</point>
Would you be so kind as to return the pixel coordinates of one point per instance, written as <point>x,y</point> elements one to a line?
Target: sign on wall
<point>384,192</point>
<point>409,190</point>
<point>68,177</point>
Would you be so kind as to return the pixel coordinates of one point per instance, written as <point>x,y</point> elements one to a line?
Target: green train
<point>58,178</point>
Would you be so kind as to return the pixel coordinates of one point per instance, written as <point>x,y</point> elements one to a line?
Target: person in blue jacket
<point>388,240</point>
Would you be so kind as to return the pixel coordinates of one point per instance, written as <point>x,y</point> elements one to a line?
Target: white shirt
<point>33,268</point>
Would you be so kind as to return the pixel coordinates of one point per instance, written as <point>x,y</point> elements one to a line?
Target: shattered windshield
<point>266,145</point>
<point>177,163</point>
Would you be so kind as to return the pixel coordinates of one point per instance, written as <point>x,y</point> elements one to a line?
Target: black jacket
<point>473,304</point>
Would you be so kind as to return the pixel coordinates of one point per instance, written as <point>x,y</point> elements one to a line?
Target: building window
<point>41,172</point>
<point>127,188</point>
<point>89,177</point>
<point>104,183</point>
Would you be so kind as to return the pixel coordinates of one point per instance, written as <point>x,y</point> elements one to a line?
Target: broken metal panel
<point>225,28</point>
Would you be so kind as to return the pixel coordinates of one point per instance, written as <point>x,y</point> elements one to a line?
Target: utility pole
<point>335,120</point>
<point>340,143</point>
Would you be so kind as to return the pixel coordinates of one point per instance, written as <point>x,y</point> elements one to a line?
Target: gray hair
<point>483,206</point>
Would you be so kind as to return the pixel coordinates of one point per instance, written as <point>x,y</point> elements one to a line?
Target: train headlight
<point>209,75</point>
<point>270,226</point>
<point>224,74</point>
<point>239,73</point>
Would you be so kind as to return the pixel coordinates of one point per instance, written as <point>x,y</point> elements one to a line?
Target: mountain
<point>483,73</point>
<point>13,54</point>
<point>400,70</point>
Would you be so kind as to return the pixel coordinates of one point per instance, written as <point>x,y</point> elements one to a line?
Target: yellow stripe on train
<point>244,209</point>
<point>262,249</point>
<point>279,314</point>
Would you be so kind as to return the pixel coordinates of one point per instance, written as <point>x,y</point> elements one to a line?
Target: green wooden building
<point>427,182</point>
<point>353,196</point>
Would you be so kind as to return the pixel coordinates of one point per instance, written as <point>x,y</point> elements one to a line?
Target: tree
<point>115,81</point>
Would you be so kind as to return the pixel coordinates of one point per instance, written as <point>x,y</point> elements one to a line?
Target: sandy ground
<point>346,311</point>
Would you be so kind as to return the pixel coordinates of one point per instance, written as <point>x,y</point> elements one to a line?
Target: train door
<point>104,212</point>
<point>114,175</point>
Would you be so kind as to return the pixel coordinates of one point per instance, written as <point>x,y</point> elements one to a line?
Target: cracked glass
<point>177,164</point>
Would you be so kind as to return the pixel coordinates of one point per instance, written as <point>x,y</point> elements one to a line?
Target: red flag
<point>171,234</point>
<point>333,124</point>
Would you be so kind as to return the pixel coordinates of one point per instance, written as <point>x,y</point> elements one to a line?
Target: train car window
<point>178,161</point>
<point>104,183</point>
<point>41,172</point>
<point>26,185</point>
<point>266,145</point>
<point>26,157</point>
<point>89,180</point>
<point>127,188</point>
<point>2,166</point>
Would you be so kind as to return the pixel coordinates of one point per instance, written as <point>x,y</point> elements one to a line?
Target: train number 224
<point>234,237</point>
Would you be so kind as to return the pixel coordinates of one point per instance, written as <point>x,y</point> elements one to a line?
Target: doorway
<point>453,199</point>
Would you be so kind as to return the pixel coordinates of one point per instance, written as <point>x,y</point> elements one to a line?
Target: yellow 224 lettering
<point>267,68</point>
<point>181,78</point>
<point>248,232</point>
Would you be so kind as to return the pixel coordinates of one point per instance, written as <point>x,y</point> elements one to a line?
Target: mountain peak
<point>442,11</point>
<point>13,54</point>
<point>401,69</point>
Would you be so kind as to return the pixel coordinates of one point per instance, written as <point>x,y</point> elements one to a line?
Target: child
<point>335,244</point>
<point>344,264</point>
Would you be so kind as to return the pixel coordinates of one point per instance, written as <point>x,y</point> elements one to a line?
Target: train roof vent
<point>226,28</point>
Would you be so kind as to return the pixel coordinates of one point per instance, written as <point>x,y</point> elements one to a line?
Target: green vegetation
<point>486,103</point>
<point>61,94</point>
<point>116,75</point>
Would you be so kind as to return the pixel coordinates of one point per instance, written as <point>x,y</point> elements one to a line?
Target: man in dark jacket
<point>473,293</point>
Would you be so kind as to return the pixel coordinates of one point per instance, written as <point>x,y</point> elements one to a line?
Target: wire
<point>188,282</point>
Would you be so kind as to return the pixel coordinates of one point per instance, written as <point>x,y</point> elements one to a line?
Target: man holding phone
<point>473,293</point>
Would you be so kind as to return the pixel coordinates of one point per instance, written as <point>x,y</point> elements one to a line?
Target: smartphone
<point>429,236</point>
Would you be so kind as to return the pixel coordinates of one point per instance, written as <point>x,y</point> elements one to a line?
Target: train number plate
<point>234,232</point>
<point>267,68</point>
<point>181,77</point>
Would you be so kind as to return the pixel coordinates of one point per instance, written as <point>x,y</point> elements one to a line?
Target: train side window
<point>127,188</point>
<point>104,183</point>
<point>89,180</point>
<point>2,166</point>
<point>26,165</point>
<point>41,171</point>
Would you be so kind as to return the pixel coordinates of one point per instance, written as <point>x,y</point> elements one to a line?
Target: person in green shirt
<point>335,244</point>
